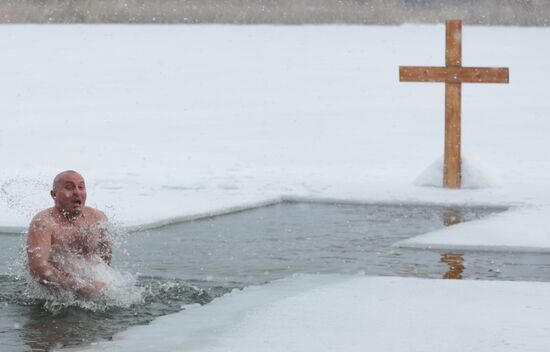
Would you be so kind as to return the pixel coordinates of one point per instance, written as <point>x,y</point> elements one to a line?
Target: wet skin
<point>69,228</point>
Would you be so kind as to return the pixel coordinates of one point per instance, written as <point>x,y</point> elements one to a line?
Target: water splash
<point>120,291</point>
<point>25,195</point>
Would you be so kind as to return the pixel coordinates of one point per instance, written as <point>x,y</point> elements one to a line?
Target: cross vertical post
<point>453,74</point>
<point>452,174</point>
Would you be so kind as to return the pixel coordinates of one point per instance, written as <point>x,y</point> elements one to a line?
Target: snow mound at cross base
<point>475,175</point>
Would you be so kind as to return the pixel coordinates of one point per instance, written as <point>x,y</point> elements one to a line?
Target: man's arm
<point>38,251</point>
<point>104,246</point>
<point>105,249</point>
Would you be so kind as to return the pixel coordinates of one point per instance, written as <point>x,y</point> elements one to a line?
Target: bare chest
<point>80,239</point>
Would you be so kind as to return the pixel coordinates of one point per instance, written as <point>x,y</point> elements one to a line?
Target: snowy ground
<point>171,122</point>
<point>355,314</point>
<point>177,121</point>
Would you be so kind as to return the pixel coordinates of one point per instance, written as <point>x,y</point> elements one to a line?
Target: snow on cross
<point>453,74</point>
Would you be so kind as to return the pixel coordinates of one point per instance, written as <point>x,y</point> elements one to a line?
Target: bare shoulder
<point>42,219</point>
<point>41,227</point>
<point>94,214</point>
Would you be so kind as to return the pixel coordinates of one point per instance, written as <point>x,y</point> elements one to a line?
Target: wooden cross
<point>453,74</point>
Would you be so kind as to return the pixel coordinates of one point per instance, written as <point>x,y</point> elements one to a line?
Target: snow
<point>168,123</point>
<point>520,230</point>
<point>354,314</point>
<point>475,174</point>
<point>172,121</point>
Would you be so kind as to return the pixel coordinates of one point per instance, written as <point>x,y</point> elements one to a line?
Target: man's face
<point>69,193</point>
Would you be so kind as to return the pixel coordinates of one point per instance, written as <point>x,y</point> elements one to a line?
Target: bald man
<point>67,239</point>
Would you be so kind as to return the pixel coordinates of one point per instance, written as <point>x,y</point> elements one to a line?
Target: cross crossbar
<point>453,74</point>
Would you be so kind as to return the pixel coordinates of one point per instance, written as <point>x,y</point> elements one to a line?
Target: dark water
<point>197,261</point>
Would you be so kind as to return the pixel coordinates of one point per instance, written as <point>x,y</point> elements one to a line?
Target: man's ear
<point>52,193</point>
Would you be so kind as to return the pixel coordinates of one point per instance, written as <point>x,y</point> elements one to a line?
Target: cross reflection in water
<point>455,261</point>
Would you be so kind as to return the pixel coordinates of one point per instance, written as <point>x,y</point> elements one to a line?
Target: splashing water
<point>120,290</point>
<point>25,195</point>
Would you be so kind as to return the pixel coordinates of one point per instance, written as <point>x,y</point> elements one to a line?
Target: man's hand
<point>92,290</point>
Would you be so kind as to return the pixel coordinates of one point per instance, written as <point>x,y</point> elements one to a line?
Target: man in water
<point>68,233</point>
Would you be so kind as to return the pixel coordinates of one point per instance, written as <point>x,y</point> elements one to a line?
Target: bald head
<point>58,179</point>
<point>69,193</point>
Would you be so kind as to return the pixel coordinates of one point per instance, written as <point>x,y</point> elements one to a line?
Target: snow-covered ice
<point>355,314</point>
<point>520,230</point>
<point>184,120</point>
<point>175,122</point>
